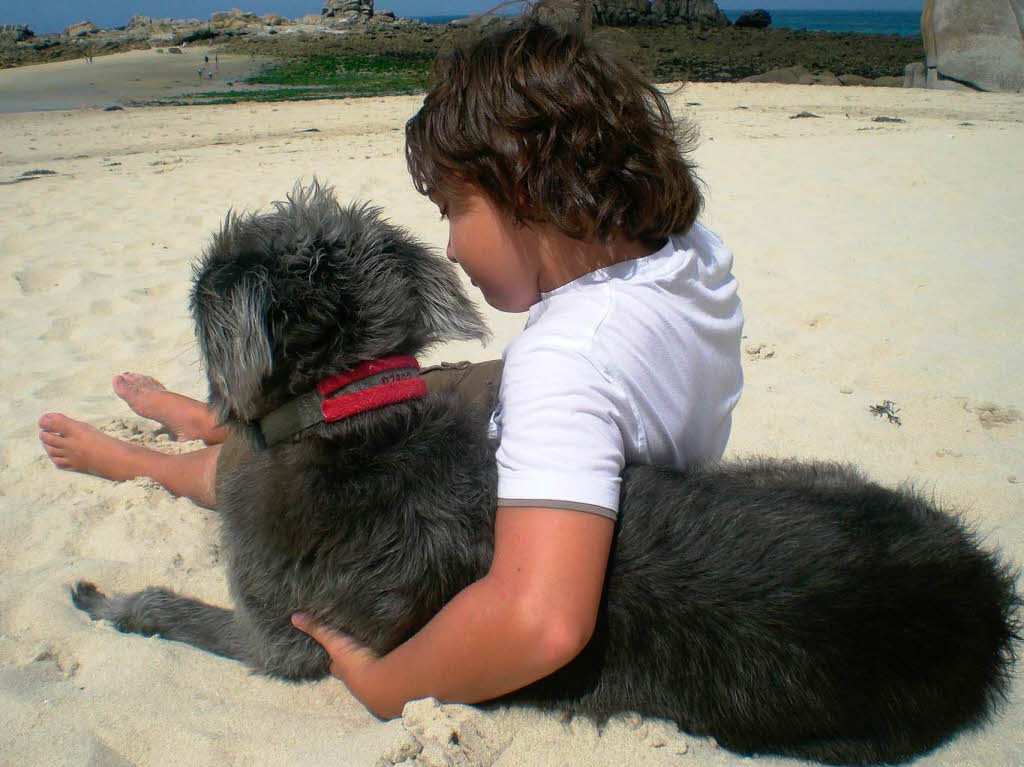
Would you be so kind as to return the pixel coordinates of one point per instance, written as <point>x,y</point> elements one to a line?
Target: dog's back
<point>796,608</point>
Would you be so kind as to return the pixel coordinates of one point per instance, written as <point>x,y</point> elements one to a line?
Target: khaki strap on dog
<point>368,386</point>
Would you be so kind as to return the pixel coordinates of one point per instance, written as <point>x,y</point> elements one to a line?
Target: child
<point>567,195</point>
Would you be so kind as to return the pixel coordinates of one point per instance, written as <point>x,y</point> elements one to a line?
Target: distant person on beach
<point>568,192</point>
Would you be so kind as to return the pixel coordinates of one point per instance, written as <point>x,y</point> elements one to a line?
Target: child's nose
<point>450,252</point>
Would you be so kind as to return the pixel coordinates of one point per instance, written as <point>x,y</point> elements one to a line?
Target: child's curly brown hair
<point>555,130</point>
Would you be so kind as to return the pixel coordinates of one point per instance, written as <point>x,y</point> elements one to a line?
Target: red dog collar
<point>367,386</point>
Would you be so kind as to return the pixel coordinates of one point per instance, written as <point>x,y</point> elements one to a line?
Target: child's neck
<point>563,259</point>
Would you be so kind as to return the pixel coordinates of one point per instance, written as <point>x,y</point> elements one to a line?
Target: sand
<point>877,261</point>
<point>124,79</point>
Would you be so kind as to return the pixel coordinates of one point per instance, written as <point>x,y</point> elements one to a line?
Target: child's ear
<point>232,334</point>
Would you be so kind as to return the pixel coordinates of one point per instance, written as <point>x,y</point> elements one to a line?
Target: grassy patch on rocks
<point>327,77</point>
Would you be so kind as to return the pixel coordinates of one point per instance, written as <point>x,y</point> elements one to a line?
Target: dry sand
<point>877,261</point>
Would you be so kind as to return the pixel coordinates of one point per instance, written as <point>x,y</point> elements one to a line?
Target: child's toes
<point>52,441</point>
<point>55,423</point>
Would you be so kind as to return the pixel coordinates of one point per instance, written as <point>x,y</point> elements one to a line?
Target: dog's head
<point>283,299</point>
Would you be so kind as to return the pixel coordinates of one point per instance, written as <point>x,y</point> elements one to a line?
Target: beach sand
<point>124,79</point>
<point>877,261</point>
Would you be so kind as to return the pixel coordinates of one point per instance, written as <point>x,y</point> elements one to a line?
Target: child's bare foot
<point>184,417</point>
<point>77,446</point>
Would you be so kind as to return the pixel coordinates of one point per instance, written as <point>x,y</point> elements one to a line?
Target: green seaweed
<point>326,77</point>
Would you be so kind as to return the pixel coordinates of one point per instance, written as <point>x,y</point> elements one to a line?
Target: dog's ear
<point>230,306</point>
<point>401,295</point>
<point>444,311</point>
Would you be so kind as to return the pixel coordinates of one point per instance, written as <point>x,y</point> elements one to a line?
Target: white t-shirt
<point>636,363</point>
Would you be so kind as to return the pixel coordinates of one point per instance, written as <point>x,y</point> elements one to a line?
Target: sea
<point>906,23</point>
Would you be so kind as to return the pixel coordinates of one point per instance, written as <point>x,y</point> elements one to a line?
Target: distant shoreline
<point>874,22</point>
<point>387,58</point>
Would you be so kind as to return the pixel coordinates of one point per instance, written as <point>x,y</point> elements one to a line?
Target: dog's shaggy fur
<point>785,607</point>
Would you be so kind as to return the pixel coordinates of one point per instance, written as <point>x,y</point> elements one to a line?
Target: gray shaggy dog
<point>780,606</point>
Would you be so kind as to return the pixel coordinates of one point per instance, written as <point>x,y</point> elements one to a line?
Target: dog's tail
<point>158,611</point>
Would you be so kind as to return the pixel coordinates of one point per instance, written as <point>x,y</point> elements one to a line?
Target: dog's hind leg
<point>158,611</point>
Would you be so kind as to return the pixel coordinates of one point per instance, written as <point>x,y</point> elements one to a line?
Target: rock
<point>824,78</point>
<point>800,115</point>
<point>974,43</point>
<point>346,11</point>
<point>888,81</point>
<point>138,21</point>
<point>15,33</point>
<point>626,13</point>
<point>786,76</point>
<point>915,75</point>
<point>758,19</point>
<point>855,80</point>
<point>81,29</point>
<point>174,50</point>
<point>797,75</point>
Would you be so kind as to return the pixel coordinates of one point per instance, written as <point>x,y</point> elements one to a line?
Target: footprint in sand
<point>59,330</point>
<point>156,291</point>
<point>57,387</point>
<point>33,281</point>
<point>760,351</point>
<point>101,308</point>
<point>992,415</point>
<point>67,666</point>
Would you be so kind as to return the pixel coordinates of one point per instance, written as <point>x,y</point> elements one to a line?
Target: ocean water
<point>907,23</point>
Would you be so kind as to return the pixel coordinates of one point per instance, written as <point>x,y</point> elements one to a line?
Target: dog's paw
<point>89,599</point>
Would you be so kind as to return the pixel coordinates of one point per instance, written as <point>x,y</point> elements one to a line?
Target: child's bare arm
<point>532,614</point>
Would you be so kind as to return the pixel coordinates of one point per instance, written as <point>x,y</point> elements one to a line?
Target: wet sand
<point>121,79</point>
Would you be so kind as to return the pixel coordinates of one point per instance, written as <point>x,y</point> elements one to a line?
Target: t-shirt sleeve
<point>561,421</point>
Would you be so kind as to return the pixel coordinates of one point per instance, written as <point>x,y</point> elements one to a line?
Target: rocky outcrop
<point>703,13</point>
<point>797,75</point>
<point>344,12</point>
<point>81,29</point>
<point>15,33</point>
<point>757,19</point>
<point>800,75</point>
<point>976,44</point>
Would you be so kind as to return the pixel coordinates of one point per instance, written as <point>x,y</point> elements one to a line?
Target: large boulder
<point>974,43</point>
<point>81,29</point>
<point>758,19</point>
<point>797,75</point>
<point>703,13</point>
<point>342,12</point>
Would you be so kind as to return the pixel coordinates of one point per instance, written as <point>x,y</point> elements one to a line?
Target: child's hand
<point>351,662</point>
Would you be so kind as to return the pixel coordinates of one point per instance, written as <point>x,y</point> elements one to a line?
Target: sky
<point>54,16</point>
